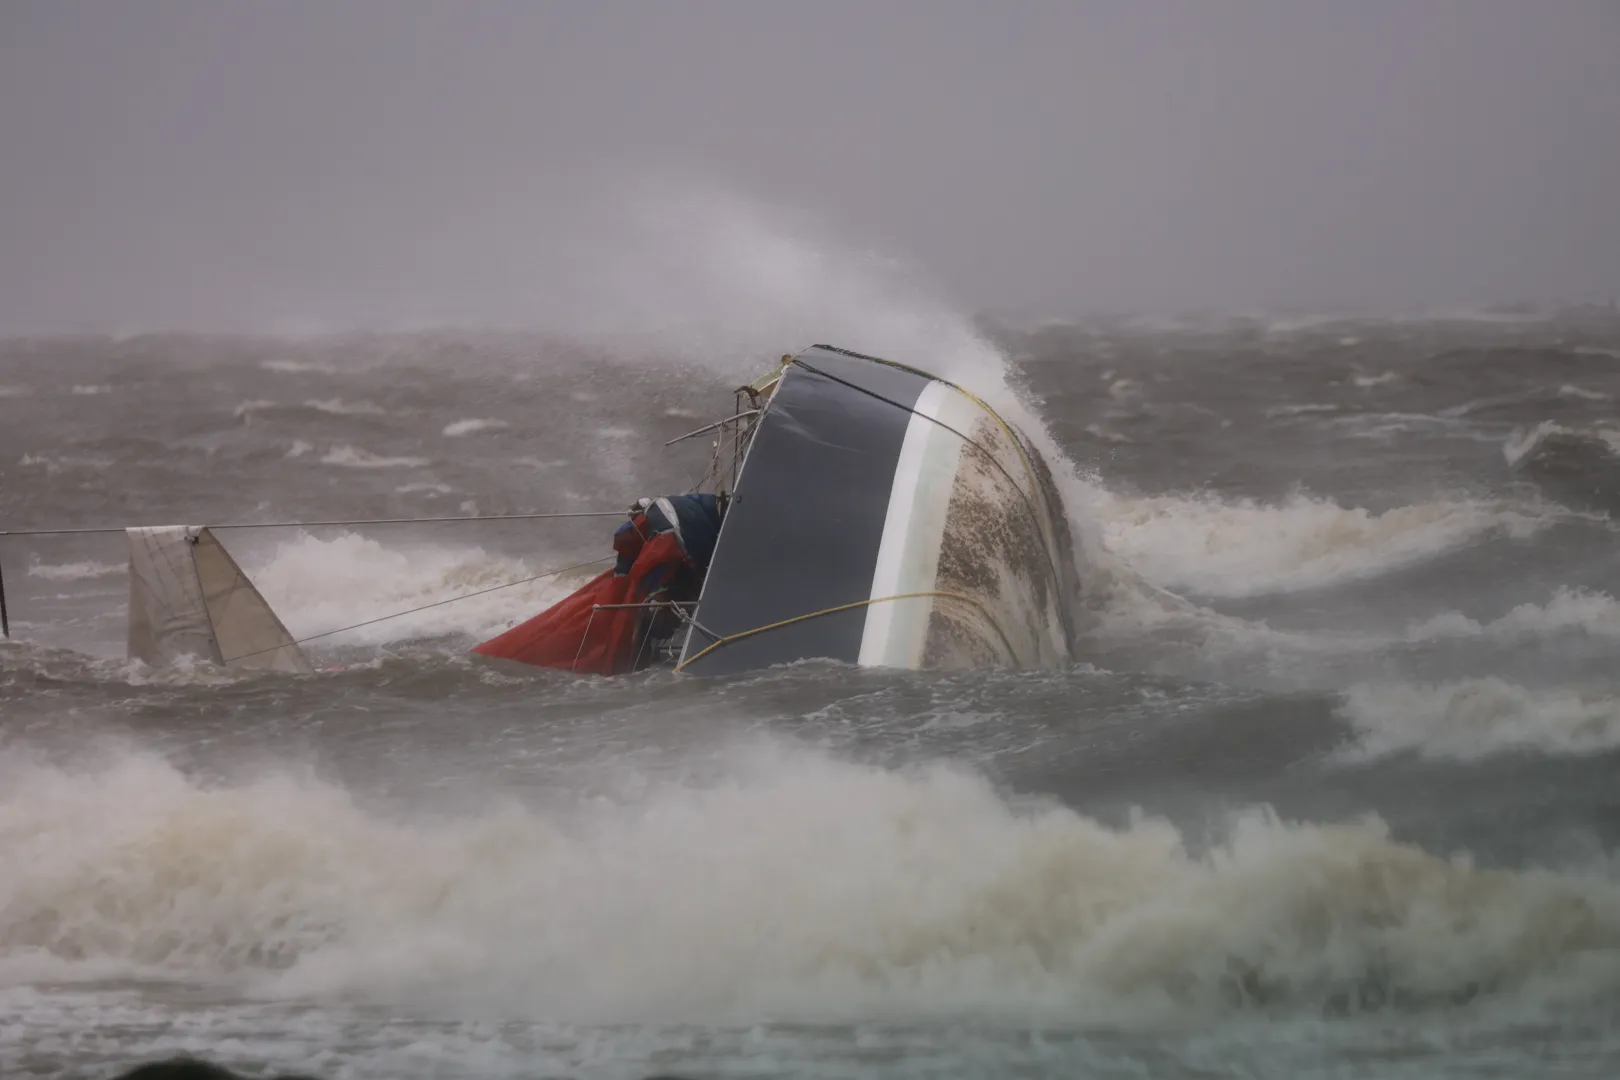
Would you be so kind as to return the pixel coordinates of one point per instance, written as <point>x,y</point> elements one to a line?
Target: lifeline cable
<point>964,391</point>
<point>321,524</point>
<point>424,607</point>
<point>729,638</point>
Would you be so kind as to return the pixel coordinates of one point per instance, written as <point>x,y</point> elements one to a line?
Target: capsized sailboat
<point>873,514</point>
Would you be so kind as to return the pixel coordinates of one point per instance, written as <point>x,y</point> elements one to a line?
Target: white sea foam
<point>7,391</point>
<point>797,886</point>
<point>317,585</point>
<point>1475,718</point>
<point>329,406</point>
<point>298,449</point>
<point>339,407</point>
<point>75,571</point>
<point>473,426</point>
<point>295,367</point>
<point>1524,442</point>
<point>246,409</point>
<point>355,458</point>
<point>54,465</point>
<point>1236,548</point>
<point>88,390</point>
<point>1570,610</point>
<point>1303,409</point>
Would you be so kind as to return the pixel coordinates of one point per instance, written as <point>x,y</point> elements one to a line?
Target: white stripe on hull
<point>896,631</point>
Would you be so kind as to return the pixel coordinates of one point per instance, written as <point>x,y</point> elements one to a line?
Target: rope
<point>729,638</point>
<point>317,524</point>
<point>425,607</point>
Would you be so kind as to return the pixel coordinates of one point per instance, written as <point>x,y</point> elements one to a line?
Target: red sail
<point>575,635</point>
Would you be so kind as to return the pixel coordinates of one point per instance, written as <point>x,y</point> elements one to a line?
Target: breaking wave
<point>355,458</point>
<point>1240,548</point>
<point>318,585</point>
<point>1550,439</point>
<point>473,426</point>
<point>1568,610</point>
<point>1579,465</point>
<point>339,407</point>
<point>1471,719</point>
<point>799,886</point>
<point>75,571</point>
<point>297,367</point>
<point>247,410</point>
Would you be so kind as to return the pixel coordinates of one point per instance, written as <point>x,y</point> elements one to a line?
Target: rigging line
<point>965,392</point>
<point>424,607</point>
<point>713,471</point>
<point>932,419</point>
<point>729,638</point>
<point>316,524</point>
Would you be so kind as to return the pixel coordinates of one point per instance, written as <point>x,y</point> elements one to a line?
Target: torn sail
<point>187,596</point>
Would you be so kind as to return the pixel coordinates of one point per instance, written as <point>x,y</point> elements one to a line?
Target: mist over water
<point>1333,778</point>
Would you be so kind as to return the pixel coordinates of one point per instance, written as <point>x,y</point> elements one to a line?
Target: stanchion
<point>5,616</point>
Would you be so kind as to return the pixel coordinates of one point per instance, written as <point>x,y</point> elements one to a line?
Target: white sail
<point>187,596</point>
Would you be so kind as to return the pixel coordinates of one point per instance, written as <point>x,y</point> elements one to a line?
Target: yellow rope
<point>729,638</point>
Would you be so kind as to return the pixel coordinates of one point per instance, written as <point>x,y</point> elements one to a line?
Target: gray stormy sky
<point>215,163</point>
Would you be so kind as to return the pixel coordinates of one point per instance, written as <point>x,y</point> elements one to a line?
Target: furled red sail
<point>590,631</point>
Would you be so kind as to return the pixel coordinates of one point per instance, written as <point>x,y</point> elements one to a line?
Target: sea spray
<point>794,885</point>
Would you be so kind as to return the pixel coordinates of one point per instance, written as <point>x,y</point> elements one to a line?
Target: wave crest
<point>798,886</point>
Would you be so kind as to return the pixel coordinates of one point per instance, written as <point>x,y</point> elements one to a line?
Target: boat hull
<point>889,519</point>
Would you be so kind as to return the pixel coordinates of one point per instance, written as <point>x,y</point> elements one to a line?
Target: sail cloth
<point>187,596</point>
<point>663,552</point>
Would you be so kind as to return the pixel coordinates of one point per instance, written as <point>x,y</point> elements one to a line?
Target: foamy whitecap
<point>797,886</point>
<point>15,391</point>
<point>65,462</point>
<point>1475,718</point>
<point>355,458</point>
<point>1217,547</point>
<point>339,407</point>
<point>1523,443</point>
<point>317,585</point>
<point>1569,610</point>
<point>295,367</point>
<point>87,390</point>
<point>473,426</point>
<point>75,571</point>
<point>245,410</point>
<point>1303,409</point>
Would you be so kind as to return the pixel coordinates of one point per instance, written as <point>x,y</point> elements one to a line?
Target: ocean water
<point>1332,792</point>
